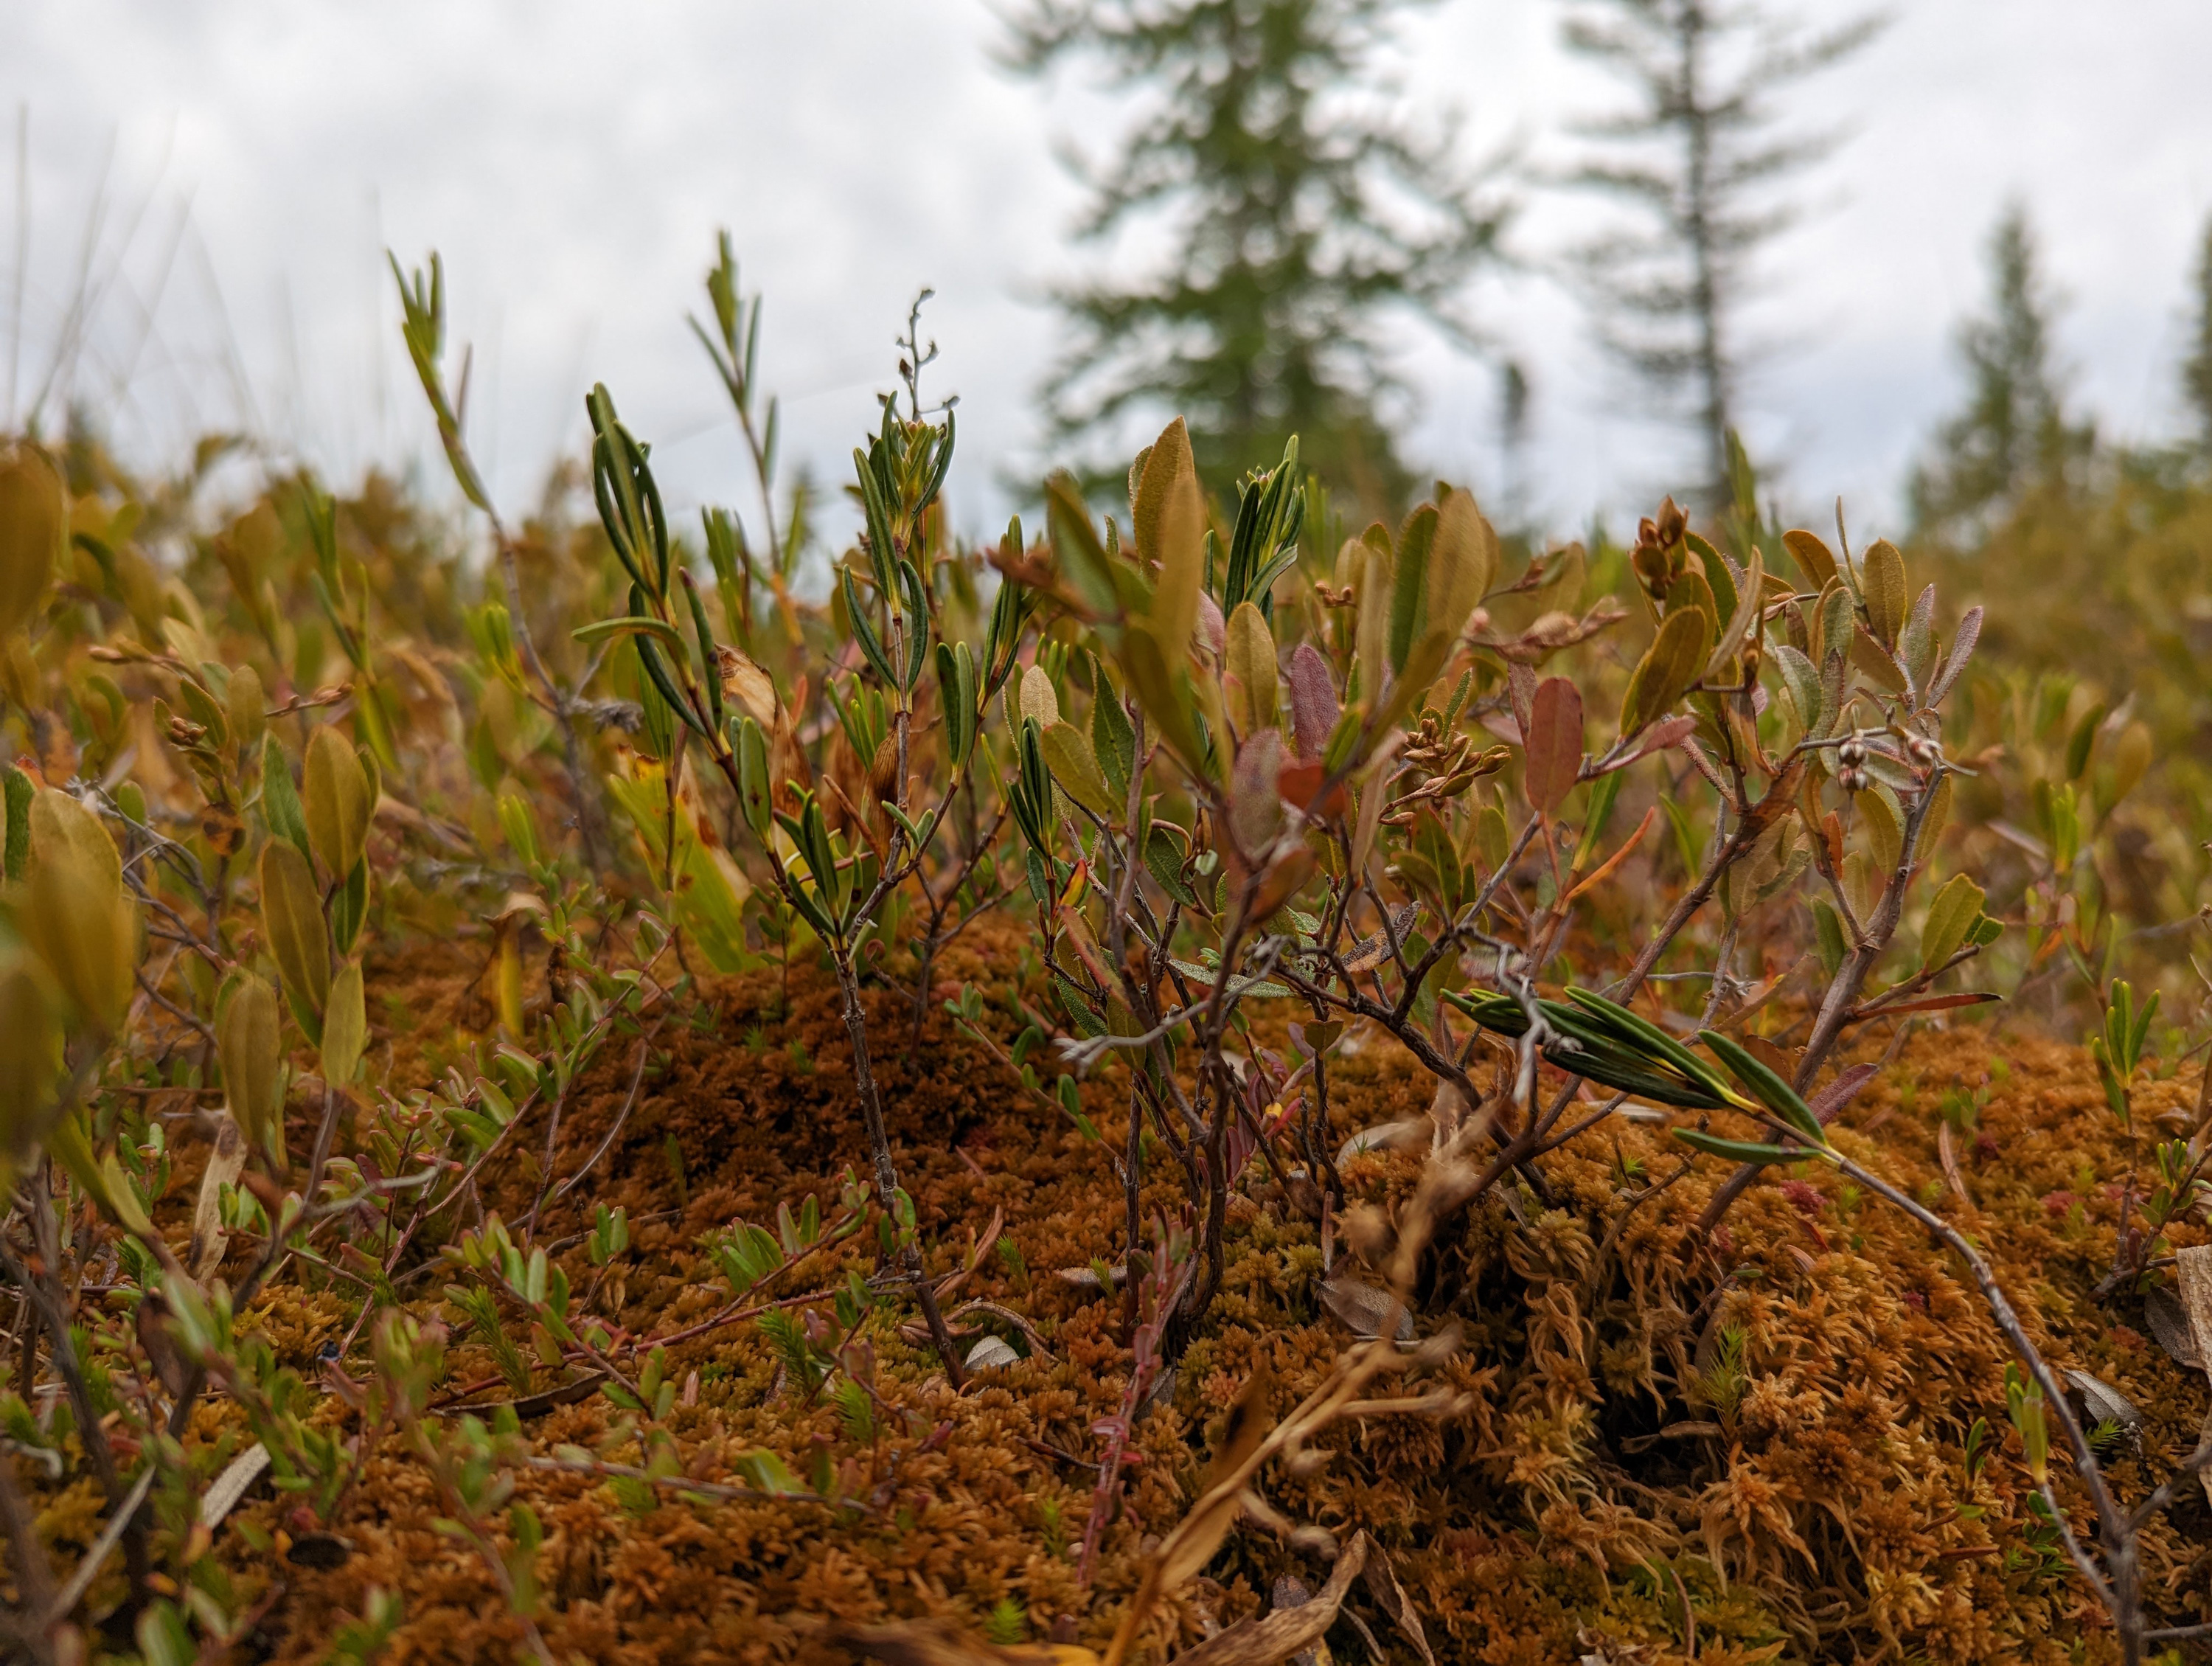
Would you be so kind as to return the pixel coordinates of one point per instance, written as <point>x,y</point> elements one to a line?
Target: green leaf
<point>292,925</point>
<point>1885,591</point>
<point>1255,703</point>
<point>1740,1151</point>
<point>1112,738</point>
<point>1633,1028</point>
<point>1769,1089</point>
<point>1074,766</point>
<point>338,801</point>
<point>1951,915</point>
<point>345,1026</point>
<point>1669,666</point>
<point>1169,514</point>
<point>863,630</point>
<point>628,624</point>
<point>1409,595</point>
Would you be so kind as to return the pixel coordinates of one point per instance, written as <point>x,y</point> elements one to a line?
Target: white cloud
<point>573,162</point>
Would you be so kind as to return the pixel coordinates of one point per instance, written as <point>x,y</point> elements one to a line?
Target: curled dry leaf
<point>990,1353</point>
<point>1381,1582</point>
<point>2104,1402</point>
<point>225,1163</point>
<point>1276,1637</point>
<point>236,1480</point>
<point>2168,1320</point>
<point>1414,1133</point>
<point>1363,1310</point>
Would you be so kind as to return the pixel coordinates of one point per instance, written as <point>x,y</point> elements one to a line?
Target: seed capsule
<point>1853,781</point>
<point>1852,753</point>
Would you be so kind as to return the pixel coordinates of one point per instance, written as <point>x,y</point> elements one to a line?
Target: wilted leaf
<point>746,683</point>
<point>224,1164</point>
<point>991,1354</point>
<point>1363,1310</point>
<point>1274,1638</point>
<point>2104,1402</point>
<point>1381,1582</point>
<point>1555,744</point>
<point>2169,1323</point>
<point>225,1491</point>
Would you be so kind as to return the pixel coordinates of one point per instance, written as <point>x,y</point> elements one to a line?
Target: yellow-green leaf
<point>1668,668</point>
<point>1254,701</point>
<point>1170,513</point>
<point>244,701</point>
<point>1038,700</point>
<point>338,804</point>
<point>1462,564</point>
<point>250,1041</point>
<point>345,1026</point>
<point>30,1061</point>
<point>1885,591</point>
<point>74,912</point>
<point>122,1199</point>
<point>1375,570</point>
<point>33,525</point>
<point>1950,917</point>
<point>2131,758</point>
<point>292,921</point>
<point>1885,831</point>
<point>1074,766</point>
<point>1812,557</point>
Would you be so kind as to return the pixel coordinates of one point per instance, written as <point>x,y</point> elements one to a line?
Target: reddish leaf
<point>1313,701</point>
<point>1299,784</point>
<point>1942,1003</point>
<point>1555,743</point>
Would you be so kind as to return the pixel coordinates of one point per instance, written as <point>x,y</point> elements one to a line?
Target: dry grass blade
<point>1274,1638</point>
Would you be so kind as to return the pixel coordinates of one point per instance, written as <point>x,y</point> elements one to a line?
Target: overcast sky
<point>573,162</point>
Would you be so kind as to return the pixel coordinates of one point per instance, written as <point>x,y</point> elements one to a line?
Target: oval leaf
<point>345,1026</point>
<point>1555,744</point>
<point>1667,669</point>
<point>338,801</point>
<point>1067,754</point>
<point>292,921</point>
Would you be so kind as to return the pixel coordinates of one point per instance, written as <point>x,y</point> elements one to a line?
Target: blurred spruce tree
<point>2196,369</point>
<point>1297,210</point>
<point>1701,156</point>
<point>2013,436</point>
